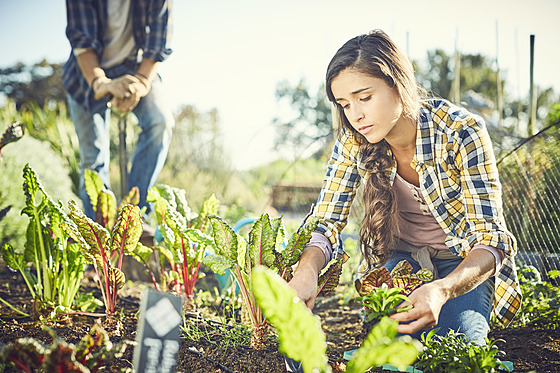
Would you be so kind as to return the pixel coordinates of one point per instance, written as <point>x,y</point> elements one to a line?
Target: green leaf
<point>381,347</point>
<point>94,186</point>
<point>225,238</point>
<point>330,276</point>
<point>261,242</point>
<point>12,258</point>
<point>127,230</point>
<point>218,263</point>
<point>92,237</point>
<point>298,241</point>
<point>142,253</point>
<point>299,331</point>
<point>106,209</point>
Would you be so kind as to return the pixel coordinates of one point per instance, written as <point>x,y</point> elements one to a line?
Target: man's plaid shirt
<point>458,179</point>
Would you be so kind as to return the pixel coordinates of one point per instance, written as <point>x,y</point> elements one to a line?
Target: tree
<point>40,83</point>
<point>309,124</point>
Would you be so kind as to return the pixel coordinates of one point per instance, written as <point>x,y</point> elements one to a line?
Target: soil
<point>529,348</point>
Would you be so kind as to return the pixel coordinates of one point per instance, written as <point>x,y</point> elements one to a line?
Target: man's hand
<point>119,88</point>
<point>138,88</point>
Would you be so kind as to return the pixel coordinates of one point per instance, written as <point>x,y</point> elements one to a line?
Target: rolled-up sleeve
<point>158,30</point>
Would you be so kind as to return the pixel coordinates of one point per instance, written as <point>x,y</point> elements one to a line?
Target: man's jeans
<point>468,313</point>
<point>92,127</point>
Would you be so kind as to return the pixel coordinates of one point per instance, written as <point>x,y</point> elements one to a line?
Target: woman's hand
<point>304,283</point>
<point>305,279</point>
<point>426,302</point>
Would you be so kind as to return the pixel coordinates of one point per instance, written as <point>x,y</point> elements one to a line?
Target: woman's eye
<point>345,107</point>
<point>365,99</point>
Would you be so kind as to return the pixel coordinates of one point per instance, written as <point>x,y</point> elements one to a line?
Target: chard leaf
<point>217,263</point>
<point>94,238</point>
<point>94,186</point>
<point>297,242</point>
<point>142,253</point>
<point>424,274</point>
<point>381,347</point>
<point>375,279</point>
<point>106,209</point>
<point>402,269</point>
<point>299,331</point>
<point>195,235</point>
<point>127,230</point>
<point>406,283</point>
<point>131,198</point>
<point>12,258</point>
<point>225,238</point>
<point>329,278</point>
<point>116,277</point>
<point>261,242</point>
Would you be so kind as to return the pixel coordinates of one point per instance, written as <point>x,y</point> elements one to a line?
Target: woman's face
<point>370,105</point>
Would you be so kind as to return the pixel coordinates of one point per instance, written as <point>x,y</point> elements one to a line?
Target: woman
<point>431,194</point>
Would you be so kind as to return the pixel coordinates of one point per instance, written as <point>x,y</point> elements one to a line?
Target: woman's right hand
<point>305,278</point>
<point>304,283</point>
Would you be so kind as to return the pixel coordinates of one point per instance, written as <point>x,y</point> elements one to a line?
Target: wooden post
<point>532,93</point>
<point>499,85</point>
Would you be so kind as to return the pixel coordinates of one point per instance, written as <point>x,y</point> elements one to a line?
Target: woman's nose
<point>356,114</point>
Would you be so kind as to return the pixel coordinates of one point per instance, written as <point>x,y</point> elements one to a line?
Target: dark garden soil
<point>530,348</point>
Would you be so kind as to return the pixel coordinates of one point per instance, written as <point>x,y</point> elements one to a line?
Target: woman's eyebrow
<point>354,93</point>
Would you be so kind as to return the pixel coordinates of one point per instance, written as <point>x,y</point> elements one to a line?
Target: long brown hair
<point>377,55</point>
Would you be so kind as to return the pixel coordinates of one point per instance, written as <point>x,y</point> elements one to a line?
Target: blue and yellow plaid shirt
<point>458,179</point>
<point>87,22</point>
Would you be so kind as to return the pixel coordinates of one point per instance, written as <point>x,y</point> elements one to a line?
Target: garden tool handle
<point>123,161</point>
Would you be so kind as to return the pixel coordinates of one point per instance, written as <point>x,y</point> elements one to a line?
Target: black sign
<point>158,333</point>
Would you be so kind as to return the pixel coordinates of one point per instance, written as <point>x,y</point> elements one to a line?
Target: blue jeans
<point>92,127</point>
<point>468,313</point>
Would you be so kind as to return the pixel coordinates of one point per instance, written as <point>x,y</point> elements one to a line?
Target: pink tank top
<point>417,224</point>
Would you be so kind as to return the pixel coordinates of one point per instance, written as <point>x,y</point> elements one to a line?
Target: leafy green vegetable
<point>299,331</point>
<point>263,248</point>
<point>453,353</point>
<point>301,338</point>
<point>57,264</point>
<point>185,237</point>
<point>98,245</point>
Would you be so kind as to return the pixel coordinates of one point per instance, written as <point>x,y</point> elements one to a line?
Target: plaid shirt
<point>458,179</point>
<point>87,21</point>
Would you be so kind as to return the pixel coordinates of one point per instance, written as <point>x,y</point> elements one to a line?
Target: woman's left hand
<point>426,302</point>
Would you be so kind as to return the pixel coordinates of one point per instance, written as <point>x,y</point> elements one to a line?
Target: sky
<point>231,54</point>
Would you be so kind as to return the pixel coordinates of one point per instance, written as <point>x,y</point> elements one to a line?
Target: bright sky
<point>231,54</point>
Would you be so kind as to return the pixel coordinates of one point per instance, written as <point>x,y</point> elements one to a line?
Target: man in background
<point>117,46</point>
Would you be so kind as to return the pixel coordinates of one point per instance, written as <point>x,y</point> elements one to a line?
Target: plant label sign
<point>157,336</point>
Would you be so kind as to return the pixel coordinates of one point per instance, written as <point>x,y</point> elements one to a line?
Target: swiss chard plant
<point>382,291</point>
<point>94,351</point>
<point>98,244</point>
<point>265,247</point>
<point>301,338</point>
<point>56,267</point>
<point>103,200</point>
<point>185,238</point>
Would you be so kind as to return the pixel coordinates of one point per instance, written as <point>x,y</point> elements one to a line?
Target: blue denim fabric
<point>92,127</point>
<point>469,313</point>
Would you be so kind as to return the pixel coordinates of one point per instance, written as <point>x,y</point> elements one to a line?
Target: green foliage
<point>301,338</point>
<point>541,299</point>
<point>383,301</point>
<point>98,246</point>
<point>57,264</point>
<point>452,353</point>
<point>94,351</point>
<point>185,236</point>
<point>299,332</point>
<point>266,238</point>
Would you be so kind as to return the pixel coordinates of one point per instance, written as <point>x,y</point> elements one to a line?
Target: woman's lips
<point>365,129</point>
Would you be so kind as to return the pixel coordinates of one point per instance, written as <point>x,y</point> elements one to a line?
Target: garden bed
<point>529,348</point>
